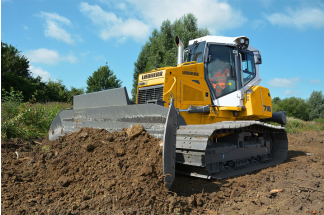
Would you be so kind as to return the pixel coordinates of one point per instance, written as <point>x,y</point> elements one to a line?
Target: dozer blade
<point>111,110</point>
<point>169,146</point>
<point>114,118</point>
<point>242,147</point>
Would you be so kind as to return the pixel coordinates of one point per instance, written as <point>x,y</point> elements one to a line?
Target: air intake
<point>146,94</point>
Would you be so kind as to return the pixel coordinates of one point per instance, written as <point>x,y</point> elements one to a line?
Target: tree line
<point>16,76</point>
<point>304,109</point>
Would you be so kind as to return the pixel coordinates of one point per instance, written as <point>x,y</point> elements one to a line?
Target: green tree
<point>316,104</point>
<point>13,63</point>
<point>57,91</point>
<point>102,79</point>
<point>295,107</point>
<point>276,104</point>
<point>161,50</point>
<point>276,100</point>
<point>15,73</point>
<point>74,92</point>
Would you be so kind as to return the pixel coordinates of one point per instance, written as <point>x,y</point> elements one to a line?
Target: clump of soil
<point>94,171</point>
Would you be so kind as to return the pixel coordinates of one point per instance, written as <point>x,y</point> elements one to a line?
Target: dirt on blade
<point>96,172</point>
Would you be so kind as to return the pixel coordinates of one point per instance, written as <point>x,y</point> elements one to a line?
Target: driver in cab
<point>218,80</point>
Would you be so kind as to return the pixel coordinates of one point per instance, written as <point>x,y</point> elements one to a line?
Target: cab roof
<point>221,40</point>
<point>216,39</point>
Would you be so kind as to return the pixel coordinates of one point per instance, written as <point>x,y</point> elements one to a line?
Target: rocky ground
<point>96,172</point>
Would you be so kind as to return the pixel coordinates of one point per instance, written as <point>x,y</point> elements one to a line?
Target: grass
<point>321,120</point>
<point>27,120</point>
<point>296,125</point>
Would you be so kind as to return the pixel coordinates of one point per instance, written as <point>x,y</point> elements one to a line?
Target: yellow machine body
<point>186,84</point>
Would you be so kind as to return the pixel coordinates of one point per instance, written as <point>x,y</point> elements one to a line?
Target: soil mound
<point>89,170</point>
<point>96,172</point>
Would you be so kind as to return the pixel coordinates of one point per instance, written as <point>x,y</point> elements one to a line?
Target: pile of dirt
<point>94,171</point>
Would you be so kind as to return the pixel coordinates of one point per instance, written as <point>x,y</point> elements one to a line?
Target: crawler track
<point>204,151</point>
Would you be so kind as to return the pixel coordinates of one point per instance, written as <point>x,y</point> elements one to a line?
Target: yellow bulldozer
<point>209,111</point>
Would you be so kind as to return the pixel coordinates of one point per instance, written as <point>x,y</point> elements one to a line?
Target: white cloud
<point>55,17</point>
<point>145,15</point>
<point>49,56</point>
<point>213,14</point>
<point>301,18</point>
<point>55,31</point>
<point>129,28</point>
<point>37,71</point>
<point>291,92</point>
<point>43,56</point>
<point>284,82</point>
<point>54,28</point>
<point>110,26</point>
<point>315,81</point>
<point>25,27</point>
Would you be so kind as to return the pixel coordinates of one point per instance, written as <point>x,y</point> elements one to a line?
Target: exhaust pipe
<point>180,50</point>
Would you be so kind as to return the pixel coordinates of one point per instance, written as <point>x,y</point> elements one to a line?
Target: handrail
<point>191,62</point>
<point>242,75</point>
<point>175,80</point>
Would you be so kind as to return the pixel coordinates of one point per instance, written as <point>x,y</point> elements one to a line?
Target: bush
<point>316,104</point>
<point>295,107</point>
<point>30,121</point>
<point>10,104</point>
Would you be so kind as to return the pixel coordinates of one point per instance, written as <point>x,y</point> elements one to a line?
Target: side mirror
<point>257,58</point>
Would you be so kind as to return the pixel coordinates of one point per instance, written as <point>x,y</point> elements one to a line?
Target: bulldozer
<point>209,110</point>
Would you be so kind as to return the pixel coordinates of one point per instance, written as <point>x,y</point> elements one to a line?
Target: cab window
<point>248,67</point>
<point>220,69</point>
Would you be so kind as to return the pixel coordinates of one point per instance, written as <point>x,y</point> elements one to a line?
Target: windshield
<point>221,70</point>
<point>196,52</point>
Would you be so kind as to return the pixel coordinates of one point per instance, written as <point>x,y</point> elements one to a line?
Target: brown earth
<point>97,172</point>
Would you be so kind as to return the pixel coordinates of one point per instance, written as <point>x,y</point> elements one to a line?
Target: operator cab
<point>230,67</point>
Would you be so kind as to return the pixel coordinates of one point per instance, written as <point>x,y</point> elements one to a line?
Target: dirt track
<point>97,172</point>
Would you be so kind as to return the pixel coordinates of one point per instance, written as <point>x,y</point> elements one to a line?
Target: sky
<point>69,40</point>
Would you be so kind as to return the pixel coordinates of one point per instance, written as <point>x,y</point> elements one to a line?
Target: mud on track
<point>97,172</point>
